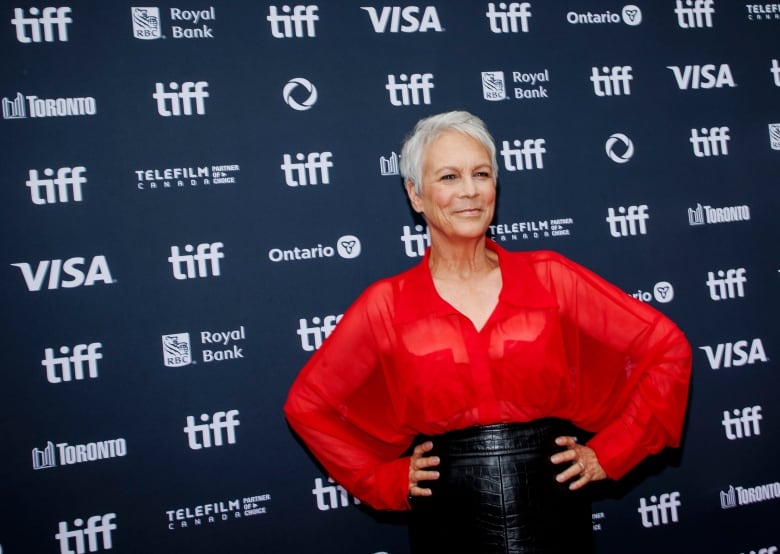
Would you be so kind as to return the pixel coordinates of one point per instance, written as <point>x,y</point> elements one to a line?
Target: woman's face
<point>458,187</point>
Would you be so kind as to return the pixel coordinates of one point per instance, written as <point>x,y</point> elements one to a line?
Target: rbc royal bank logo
<point>177,351</point>
<point>774,136</point>
<point>493,85</point>
<point>146,23</point>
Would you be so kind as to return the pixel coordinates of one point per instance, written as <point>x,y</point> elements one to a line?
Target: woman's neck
<point>463,260</point>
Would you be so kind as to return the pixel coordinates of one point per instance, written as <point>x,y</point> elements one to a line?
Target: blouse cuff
<point>619,448</point>
<point>390,489</point>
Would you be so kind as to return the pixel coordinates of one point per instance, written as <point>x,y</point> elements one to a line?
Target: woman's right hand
<point>420,469</point>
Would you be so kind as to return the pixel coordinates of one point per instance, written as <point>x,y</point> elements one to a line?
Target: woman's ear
<point>414,199</point>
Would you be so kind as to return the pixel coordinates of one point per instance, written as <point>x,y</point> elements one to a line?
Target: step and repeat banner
<point>194,192</point>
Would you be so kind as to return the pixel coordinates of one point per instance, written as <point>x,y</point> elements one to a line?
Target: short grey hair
<point>428,129</point>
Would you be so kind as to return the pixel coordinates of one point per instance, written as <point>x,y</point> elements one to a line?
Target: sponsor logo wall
<point>195,193</point>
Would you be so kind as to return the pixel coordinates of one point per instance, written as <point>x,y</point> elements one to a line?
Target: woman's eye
<point>448,177</point>
<point>483,174</point>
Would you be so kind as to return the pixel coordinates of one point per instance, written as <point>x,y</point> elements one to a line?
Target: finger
<point>423,463</point>
<point>566,440</point>
<point>571,472</point>
<point>579,483</point>
<point>568,455</point>
<point>421,449</point>
<point>420,476</point>
<point>420,491</point>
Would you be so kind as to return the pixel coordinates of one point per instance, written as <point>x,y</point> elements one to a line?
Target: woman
<point>488,363</point>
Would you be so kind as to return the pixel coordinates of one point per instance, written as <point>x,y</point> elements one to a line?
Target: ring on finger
<point>582,466</point>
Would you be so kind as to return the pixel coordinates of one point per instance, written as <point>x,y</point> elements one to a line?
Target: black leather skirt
<point>497,493</point>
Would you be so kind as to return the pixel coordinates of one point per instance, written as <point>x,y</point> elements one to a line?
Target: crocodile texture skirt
<point>497,494</point>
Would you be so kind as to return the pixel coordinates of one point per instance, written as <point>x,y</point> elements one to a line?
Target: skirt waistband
<point>502,437</point>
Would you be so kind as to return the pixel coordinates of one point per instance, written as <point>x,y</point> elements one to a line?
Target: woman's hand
<point>584,466</point>
<point>419,469</point>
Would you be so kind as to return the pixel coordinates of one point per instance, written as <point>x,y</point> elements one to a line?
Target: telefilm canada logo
<point>763,12</point>
<point>183,24</point>
<point>229,509</point>
<point>535,229</point>
<point>215,346</point>
<point>189,177</point>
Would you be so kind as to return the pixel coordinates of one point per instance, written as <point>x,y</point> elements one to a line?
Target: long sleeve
<point>341,407</point>
<point>631,366</point>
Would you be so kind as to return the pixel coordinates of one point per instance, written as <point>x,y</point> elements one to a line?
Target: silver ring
<point>582,466</point>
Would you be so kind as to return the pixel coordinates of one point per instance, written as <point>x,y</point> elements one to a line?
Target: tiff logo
<point>320,328</point>
<point>505,18</point>
<point>409,88</point>
<point>660,511</point>
<point>66,368</point>
<point>728,285</point>
<point>331,497</point>
<point>86,538</point>
<point>695,15</point>
<point>48,20</point>
<point>415,243</point>
<point>389,19</point>
<point>775,70</point>
<point>200,435</point>
<point>72,268</point>
<point>178,103</point>
<point>293,22</point>
<point>611,81</point>
<point>58,189</point>
<point>628,221</point>
<point>526,154</point>
<point>711,142</point>
<point>313,171</point>
<point>744,424</point>
<point>184,265</point>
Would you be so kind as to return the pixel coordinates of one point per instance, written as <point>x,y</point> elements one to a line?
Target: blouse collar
<point>520,288</point>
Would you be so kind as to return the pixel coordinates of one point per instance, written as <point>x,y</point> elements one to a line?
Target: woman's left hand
<point>584,466</point>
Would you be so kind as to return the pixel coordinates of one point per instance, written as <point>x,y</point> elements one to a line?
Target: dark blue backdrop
<point>194,192</point>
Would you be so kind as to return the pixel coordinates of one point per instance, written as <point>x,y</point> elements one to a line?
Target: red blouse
<point>561,342</point>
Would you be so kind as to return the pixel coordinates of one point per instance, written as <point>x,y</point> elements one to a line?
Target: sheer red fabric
<point>561,342</point>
